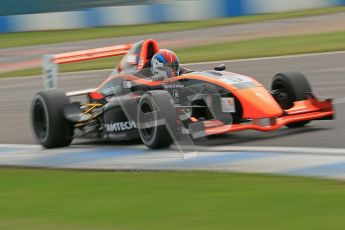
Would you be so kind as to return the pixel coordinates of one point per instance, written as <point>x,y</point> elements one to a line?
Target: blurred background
<point>30,15</point>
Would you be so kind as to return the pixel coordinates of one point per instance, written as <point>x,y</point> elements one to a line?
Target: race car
<point>135,103</point>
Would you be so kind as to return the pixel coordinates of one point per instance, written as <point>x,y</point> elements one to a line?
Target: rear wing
<point>50,66</point>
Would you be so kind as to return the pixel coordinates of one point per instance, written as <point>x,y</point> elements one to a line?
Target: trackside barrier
<point>50,62</point>
<point>19,19</point>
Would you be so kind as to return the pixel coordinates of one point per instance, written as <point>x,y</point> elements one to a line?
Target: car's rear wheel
<point>288,88</point>
<point>52,130</point>
<point>156,115</point>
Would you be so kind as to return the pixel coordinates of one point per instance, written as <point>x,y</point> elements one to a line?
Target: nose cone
<point>258,103</point>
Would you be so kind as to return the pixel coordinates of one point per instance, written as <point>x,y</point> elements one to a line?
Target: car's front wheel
<point>156,119</point>
<point>288,88</point>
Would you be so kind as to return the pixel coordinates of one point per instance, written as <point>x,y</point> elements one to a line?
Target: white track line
<point>307,150</point>
<point>269,58</point>
<point>22,146</point>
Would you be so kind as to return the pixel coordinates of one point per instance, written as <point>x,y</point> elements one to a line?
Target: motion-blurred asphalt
<point>325,72</point>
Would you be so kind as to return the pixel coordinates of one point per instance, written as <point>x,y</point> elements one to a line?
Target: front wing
<point>306,110</point>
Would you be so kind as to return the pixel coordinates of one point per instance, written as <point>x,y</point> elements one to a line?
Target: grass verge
<point>262,47</point>
<point>48,37</point>
<point>51,199</point>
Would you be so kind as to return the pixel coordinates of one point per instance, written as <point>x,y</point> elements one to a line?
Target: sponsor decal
<point>176,96</point>
<point>50,72</point>
<point>141,63</point>
<point>173,86</point>
<point>127,84</point>
<point>120,126</point>
<point>228,105</point>
<point>235,79</point>
<point>132,59</point>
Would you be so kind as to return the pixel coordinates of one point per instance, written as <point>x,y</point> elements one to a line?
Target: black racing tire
<point>52,130</point>
<point>155,106</point>
<point>290,87</point>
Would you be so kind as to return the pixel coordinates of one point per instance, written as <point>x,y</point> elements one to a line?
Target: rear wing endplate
<point>50,66</point>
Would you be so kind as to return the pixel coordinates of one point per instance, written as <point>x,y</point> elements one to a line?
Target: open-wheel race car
<point>162,107</point>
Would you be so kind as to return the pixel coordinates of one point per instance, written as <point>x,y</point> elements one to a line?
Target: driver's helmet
<point>165,62</point>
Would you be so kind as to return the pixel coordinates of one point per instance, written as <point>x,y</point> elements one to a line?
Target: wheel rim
<point>147,118</point>
<point>40,120</point>
<point>283,95</point>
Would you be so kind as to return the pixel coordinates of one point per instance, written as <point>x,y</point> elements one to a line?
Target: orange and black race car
<point>135,103</point>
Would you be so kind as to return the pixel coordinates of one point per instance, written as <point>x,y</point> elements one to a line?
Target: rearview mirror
<point>220,67</point>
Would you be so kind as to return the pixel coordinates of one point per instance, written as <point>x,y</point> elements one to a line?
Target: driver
<point>165,63</point>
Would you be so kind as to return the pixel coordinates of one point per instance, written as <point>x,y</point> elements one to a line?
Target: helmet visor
<point>174,66</point>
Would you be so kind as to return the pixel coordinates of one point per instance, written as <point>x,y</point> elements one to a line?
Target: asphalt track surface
<point>30,56</point>
<point>324,71</point>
